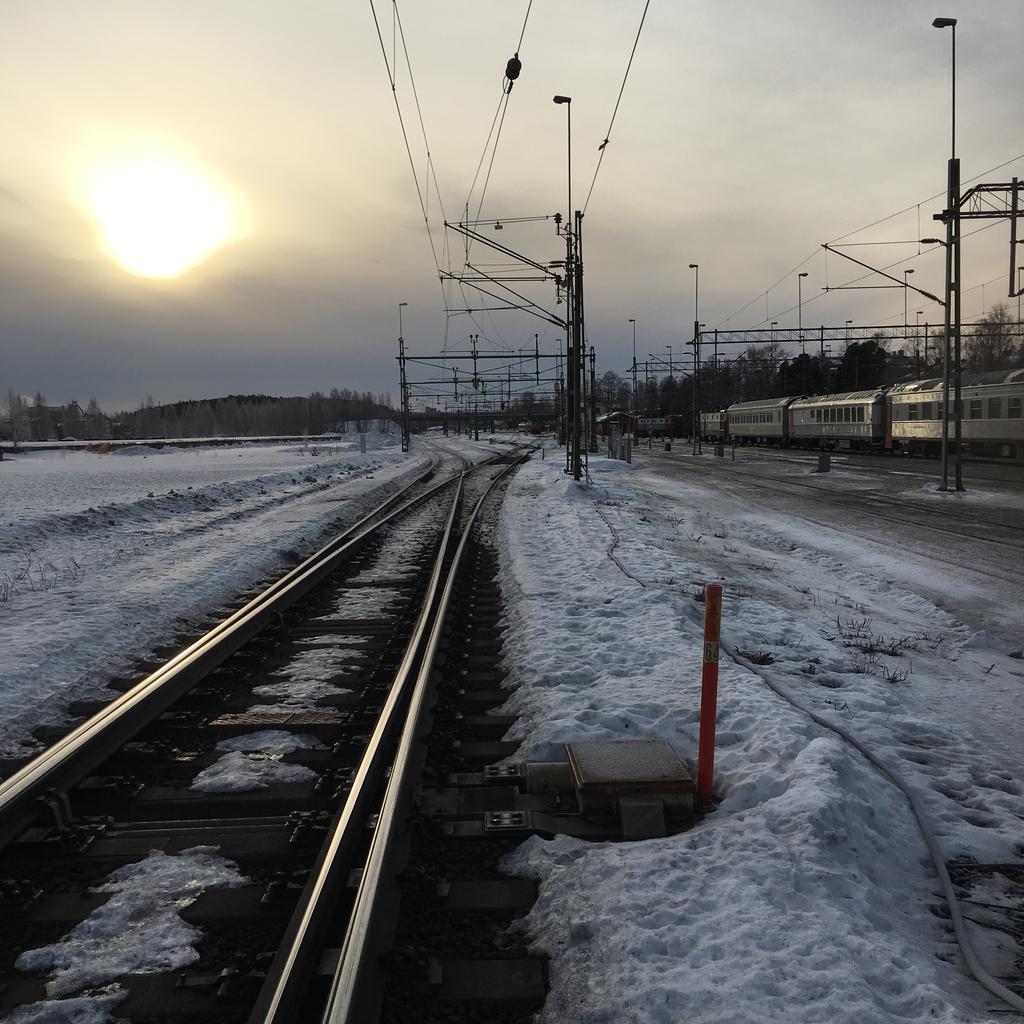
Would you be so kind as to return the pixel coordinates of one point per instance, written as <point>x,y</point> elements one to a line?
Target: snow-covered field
<point>808,895</point>
<point>103,557</point>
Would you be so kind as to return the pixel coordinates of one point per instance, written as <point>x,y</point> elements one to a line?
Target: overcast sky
<point>749,133</point>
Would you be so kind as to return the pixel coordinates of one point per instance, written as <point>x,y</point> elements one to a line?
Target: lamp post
<point>406,432</point>
<point>1019,269</point>
<point>800,328</point>
<point>917,336</point>
<point>573,451</point>
<point>695,267</point>
<point>636,404</point>
<point>906,274</point>
<point>951,216</point>
<point>800,307</point>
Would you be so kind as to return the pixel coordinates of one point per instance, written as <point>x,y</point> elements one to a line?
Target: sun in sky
<point>158,216</point>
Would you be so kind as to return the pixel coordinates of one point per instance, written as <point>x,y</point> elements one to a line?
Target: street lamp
<point>636,404</point>
<point>567,100</point>
<point>800,306</point>
<point>906,274</point>
<point>695,267</point>
<point>573,339</point>
<point>800,327</point>
<point>950,23</point>
<point>952,318</point>
<point>406,431</point>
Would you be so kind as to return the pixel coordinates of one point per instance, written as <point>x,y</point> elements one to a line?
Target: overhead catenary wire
<point>499,119</point>
<point>607,135</point>
<point>856,231</point>
<point>408,148</point>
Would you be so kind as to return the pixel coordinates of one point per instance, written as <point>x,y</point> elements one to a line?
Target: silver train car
<point>759,422</point>
<point>855,420</point>
<point>992,415</point>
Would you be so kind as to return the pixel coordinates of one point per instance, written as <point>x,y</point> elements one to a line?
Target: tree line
<point>767,371</point>
<point>230,416</point>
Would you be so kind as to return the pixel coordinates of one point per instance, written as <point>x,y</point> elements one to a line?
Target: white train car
<point>760,422</point>
<point>848,421</point>
<point>992,415</point>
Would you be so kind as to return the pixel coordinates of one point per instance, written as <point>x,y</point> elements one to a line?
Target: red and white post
<point>709,690</point>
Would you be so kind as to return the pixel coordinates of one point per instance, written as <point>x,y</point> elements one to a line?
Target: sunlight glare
<point>158,218</point>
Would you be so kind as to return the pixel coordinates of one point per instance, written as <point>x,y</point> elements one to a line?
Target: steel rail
<point>346,1003</point>
<point>23,796</point>
<point>299,951</point>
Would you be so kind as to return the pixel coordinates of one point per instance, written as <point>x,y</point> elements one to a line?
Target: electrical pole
<point>406,423</point>
<point>636,404</point>
<point>800,327</point>
<point>695,267</point>
<point>577,345</point>
<point>593,400</point>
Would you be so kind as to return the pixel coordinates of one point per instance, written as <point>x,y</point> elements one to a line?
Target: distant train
<point>900,418</point>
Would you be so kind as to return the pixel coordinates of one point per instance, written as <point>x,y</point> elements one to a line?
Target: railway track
<point>288,741</point>
<point>882,507</point>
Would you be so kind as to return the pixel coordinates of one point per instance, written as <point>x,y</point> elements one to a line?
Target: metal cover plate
<point>615,763</point>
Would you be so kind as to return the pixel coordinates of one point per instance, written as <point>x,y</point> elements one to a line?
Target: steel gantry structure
<point>513,374</point>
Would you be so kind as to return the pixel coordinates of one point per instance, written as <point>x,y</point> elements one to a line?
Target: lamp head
<point>804,274</point>
<point>563,99</point>
<point>693,266</point>
<point>944,23</point>
<point>905,272</point>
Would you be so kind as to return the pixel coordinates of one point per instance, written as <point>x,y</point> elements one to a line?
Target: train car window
<point>975,409</point>
<point>926,410</point>
<point>1013,410</point>
<point>912,411</point>
<point>860,413</point>
<point>995,408</point>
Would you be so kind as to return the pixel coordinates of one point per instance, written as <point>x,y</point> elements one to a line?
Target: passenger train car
<point>992,415</point>
<point>759,422</point>
<point>853,420</point>
<point>901,418</point>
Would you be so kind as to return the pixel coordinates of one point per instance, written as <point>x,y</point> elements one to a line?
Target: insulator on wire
<point>513,67</point>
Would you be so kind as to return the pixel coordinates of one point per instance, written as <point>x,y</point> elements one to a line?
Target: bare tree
<point>993,346</point>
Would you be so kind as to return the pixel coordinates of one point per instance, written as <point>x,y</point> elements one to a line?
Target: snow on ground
<point>102,557</point>
<point>137,931</point>
<point>808,894</point>
<point>242,773</point>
